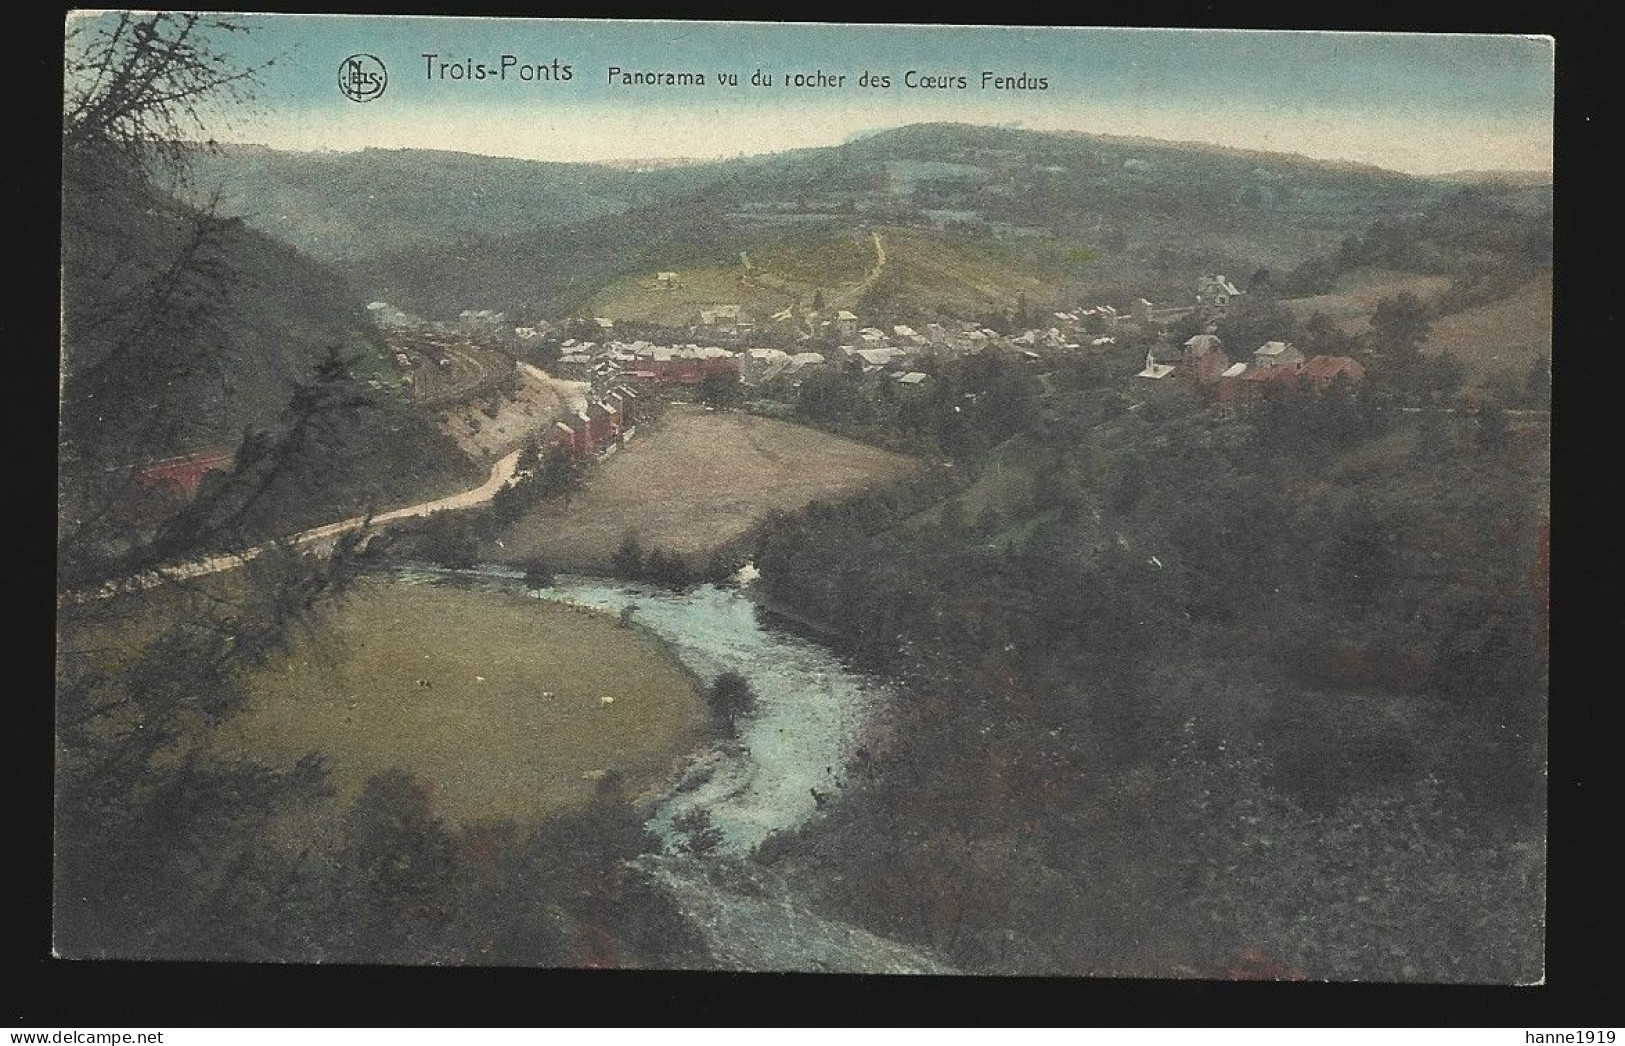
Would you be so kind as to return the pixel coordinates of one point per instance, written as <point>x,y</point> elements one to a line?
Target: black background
<point>1584,965</point>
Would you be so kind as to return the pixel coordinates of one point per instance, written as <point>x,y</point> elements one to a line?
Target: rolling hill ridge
<point>440,232</point>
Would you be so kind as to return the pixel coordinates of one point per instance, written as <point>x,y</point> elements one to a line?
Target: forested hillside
<point>184,329</point>
<point>1258,695</point>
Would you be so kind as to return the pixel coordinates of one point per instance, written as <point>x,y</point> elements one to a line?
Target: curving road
<point>501,473</point>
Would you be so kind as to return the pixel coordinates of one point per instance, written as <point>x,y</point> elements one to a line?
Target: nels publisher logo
<point>362,77</point>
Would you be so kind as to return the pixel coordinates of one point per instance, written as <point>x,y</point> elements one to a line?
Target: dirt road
<point>501,473</point>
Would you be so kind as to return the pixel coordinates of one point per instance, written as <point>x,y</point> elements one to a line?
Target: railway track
<point>475,371</point>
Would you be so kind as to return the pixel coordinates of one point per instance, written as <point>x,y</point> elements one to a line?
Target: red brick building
<point>684,370</point>
<point>597,425</point>
<point>1246,384</point>
<point>1204,359</point>
<point>563,437</point>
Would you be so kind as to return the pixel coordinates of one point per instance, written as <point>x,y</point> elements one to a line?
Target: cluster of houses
<point>1064,330</point>
<point>1203,361</point>
<point>644,362</point>
<point>596,425</point>
<point>729,320</point>
<point>725,347</point>
<point>879,359</point>
<point>896,352</point>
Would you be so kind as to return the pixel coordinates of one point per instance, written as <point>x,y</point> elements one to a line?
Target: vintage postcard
<point>804,497</point>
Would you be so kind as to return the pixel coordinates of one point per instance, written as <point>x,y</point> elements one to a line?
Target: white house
<point>1277,354</point>
<point>1216,290</point>
<point>1153,369</point>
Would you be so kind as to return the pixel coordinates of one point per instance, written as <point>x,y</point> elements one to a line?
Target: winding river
<point>813,710</point>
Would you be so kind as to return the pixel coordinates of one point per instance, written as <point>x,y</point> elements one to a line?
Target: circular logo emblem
<point>362,77</point>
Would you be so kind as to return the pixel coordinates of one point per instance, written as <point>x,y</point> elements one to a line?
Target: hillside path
<point>852,294</point>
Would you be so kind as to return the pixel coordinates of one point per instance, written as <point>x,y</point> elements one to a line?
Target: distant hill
<point>440,232</point>
<point>1479,260</point>
<point>341,206</point>
<point>1524,178</point>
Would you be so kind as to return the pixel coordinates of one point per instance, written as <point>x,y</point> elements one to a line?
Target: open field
<point>827,261</point>
<point>907,270</point>
<point>924,273</point>
<point>1355,296</point>
<point>771,275</point>
<point>695,481</point>
<point>639,299</point>
<point>1509,335</point>
<point>492,700</point>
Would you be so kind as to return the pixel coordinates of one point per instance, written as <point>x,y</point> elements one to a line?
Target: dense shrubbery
<point>394,884</point>
<point>627,560</point>
<point>668,569</point>
<point>1483,238</point>
<point>730,699</point>
<point>1330,622</point>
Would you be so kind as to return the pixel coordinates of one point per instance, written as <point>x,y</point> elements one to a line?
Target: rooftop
<point>1331,366</point>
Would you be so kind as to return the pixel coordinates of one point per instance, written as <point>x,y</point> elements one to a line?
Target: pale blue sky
<point>1423,104</point>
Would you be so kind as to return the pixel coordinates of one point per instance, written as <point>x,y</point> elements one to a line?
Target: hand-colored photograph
<point>804,497</point>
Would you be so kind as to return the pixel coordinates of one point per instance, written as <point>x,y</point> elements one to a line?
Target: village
<point>728,356</point>
<point>593,372</point>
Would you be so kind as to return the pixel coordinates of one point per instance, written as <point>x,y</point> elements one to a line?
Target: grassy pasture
<point>694,482</point>
<point>1508,335</point>
<point>494,701</point>
<point>1355,296</point>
